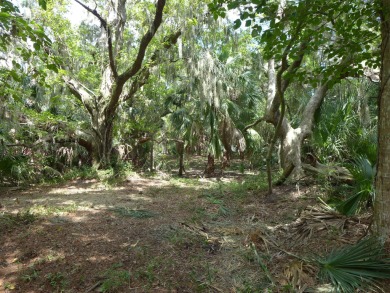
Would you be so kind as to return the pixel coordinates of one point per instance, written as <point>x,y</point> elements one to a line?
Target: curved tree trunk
<point>103,145</point>
<point>293,138</point>
<point>290,138</point>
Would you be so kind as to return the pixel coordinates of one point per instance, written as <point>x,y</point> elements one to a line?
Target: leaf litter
<point>168,238</point>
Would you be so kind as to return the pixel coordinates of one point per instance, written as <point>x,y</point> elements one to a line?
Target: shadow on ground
<point>148,235</point>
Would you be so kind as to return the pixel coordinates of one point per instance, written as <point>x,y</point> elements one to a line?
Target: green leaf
<point>52,67</point>
<point>16,64</point>
<point>37,46</point>
<point>244,15</point>
<point>237,24</point>
<point>15,76</point>
<point>42,3</point>
<point>232,5</point>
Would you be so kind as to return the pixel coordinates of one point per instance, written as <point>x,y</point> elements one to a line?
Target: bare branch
<point>109,38</point>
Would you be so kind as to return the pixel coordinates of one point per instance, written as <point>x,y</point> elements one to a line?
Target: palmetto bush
<point>344,137</point>
<point>341,137</point>
<point>363,172</point>
<point>356,267</point>
<point>346,124</point>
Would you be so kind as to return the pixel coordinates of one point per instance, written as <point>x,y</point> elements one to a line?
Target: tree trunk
<point>210,167</point>
<point>226,159</point>
<point>382,182</point>
<point>290,151</point>
<point>102,145</point>
<point>152,155</point>
<point>180,150</point>
<point>290,138</point>
<point>198,149</point>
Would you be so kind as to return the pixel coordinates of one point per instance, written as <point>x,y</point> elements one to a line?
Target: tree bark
<point>382,182</point>
<point>101,135</point>
<point>291,139</point>
<point>210,167</point>
<point>180,150</point>
<point>151,155</point>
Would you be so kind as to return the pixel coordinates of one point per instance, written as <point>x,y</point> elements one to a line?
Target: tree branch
<point>136,66</point>
<point>79,91</point>
<point>104,24</point>
<point>294,66</point>
<point>316,99</point>
<point>144,73</point>
<point>139,81</point>
<point>254,123</point>
<point>287,71</point>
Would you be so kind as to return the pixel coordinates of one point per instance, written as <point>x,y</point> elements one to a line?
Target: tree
<point>294,33</point>
<point>207,87</point>
<point>119,80</point>
<point>21,40</point>
<point>382,197</point>
<point>24,65</point>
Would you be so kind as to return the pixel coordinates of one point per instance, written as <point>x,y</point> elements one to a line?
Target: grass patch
<point>148,273</point>
<point>57,281</point>
<point>250,183</point>
<point>115,277</point>
<point>204,278</point>
<point>254,275</point>
<point>183,238</point>
<point>9,221</point>
<point>86,173</point>
<point>43,210</point>
<point>31,275</point>
<point>221,209</point>
<point>133,213</point>
<point>111,176</point>
<point>187,182</point>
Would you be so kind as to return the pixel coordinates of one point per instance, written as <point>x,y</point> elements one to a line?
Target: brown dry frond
<point>315,219</point>
<point>298,275</point>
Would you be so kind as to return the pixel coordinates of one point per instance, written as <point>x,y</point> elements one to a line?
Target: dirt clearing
<point>156,235</point>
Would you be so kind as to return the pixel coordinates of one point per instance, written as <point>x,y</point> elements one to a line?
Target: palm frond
<point>362,169</point>
<point>351,205</point>
<point>356,267</point>
<point>363,173</point>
